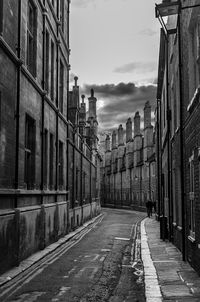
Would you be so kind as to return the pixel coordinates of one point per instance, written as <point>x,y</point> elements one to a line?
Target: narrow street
<point>105,266</point>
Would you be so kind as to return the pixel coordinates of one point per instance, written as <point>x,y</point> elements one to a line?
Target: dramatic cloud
<point>139,67</point>
<point>120,102</point>
<point>106,90</point>
<point>148,32</point>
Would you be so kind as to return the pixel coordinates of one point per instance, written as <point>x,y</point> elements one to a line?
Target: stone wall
<point>24,231</point>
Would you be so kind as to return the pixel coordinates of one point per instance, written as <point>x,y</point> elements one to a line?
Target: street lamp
<point>167,9</point>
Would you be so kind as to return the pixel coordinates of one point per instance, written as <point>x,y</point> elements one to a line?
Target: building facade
<point>128,177</point>
<point>179,141</point>
<point>48,150</point>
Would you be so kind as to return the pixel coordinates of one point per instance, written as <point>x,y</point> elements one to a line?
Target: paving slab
<point>164,270</point>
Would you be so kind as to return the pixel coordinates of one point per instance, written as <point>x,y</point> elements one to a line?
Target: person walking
<point>149,206</point>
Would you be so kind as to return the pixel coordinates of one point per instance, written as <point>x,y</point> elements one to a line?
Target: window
<point>195,52</point>
<point>47,62</point>
<point>61,87</point>
<point>177,100</point>
<point>77,182</point>
<point>0,112</point>
<point>143,172</point>
<point>147,171</point>
<point>29,173</point>
<point>172,107</point>
<point>1,17</point>
<point>191,197</point>
<point>31,38</point>
<point>62,14</point>
<point>60,165</point>
<point>45,156</point>
<point>164,108</point>
<point>52,69</point>
<point>194,56</point>
<point>51,154</point>
<point>84,184</point>
<point>153,169</point>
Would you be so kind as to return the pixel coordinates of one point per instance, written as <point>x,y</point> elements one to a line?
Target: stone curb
<point>33,259</point>
<point>152,288</point>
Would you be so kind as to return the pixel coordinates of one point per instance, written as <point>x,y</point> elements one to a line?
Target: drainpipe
<point>121,188</point>
<point>43,100</point>
<point>114,190</point>
<point>168,143</point>
<point>73,171</point>
<point>81,173</point>
<point>130,186</point>
<point>158,158</point>
<point>57,96</point>
<point>150,180</point>
<point>90,176</point>
<point>181,139</point>
<point>67,155</point>
<point>17,116</point>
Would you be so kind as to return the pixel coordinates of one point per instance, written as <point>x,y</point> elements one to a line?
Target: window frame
<point>29,152</point>
<point>61,165</point>
<point>51,161</point>
<point>61,86</point>
<point>31,48</point>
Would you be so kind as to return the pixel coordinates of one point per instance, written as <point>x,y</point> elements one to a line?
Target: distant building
<point>48,158</point>
<point>129,167</point>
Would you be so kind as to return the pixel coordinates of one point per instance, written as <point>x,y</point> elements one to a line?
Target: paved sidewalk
<point>167,277</point>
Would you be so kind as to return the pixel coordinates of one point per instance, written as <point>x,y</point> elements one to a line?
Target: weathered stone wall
<point>26,230</point>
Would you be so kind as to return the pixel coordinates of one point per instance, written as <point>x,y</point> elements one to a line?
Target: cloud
<point>148,32</point>
<point>106,90</point>
<point>120,102</point>
<point>138,67</point>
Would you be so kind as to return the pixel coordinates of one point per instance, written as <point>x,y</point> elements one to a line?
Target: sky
<point>114,50</point>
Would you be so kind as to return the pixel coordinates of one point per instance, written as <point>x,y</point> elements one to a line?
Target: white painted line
<point>95,258</point>
<point>152,288</point>
<point>69,273</point>
<point>105,250</point>
<point>95,269</point>
<point>163,261</point>
<point>102,258</point>
<point>63,290</point>
<point>119,238</point>
<point>79,274</point>
<point>34,275</point>
<point>29,297</point>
